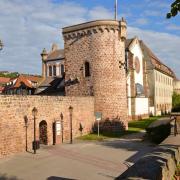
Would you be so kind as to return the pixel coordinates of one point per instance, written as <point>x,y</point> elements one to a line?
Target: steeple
<point>44,54</point>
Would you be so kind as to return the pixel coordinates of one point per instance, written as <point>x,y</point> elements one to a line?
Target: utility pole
<point>116,11</point>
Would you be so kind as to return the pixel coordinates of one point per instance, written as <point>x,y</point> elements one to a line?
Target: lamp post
<point>62,127</point>
<point>26,126</point>
<point>70,113</point>
<point>1,45</point>
<point>34,113</point>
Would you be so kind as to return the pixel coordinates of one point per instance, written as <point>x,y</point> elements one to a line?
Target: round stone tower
<point>94,63</point>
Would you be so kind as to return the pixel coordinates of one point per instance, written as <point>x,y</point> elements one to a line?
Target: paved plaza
<point>80,160</point>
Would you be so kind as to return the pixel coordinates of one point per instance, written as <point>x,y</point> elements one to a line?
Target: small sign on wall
<point>58,128</point>
<point>98,116</point>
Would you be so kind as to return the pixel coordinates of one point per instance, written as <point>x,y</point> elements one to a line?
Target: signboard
<point>58,128</point>
<point>98,116</point>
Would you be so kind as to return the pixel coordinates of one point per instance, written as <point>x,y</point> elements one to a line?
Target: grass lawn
<point>134,127</point>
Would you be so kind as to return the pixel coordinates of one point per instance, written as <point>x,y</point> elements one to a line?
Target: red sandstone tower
<point>94,63</point>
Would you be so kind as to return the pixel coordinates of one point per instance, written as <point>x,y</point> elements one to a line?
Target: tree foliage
<point>9,75</point>
<point>175,8</point>
<point>176,102</point>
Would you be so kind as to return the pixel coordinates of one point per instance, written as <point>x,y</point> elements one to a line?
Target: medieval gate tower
<point>94,63</point>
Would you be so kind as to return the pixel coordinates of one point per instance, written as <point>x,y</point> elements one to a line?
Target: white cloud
<point>152,13</point>
<point>26,27</point>
<point>100,13</point>
<point>141,21</point>
<point>173,27</point>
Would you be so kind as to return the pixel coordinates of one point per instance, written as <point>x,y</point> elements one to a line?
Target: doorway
<point>43,132</point>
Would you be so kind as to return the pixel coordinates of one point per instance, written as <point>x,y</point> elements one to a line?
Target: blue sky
<point>27,26</point>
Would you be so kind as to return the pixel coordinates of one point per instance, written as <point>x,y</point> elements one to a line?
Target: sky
<point>28,26</point>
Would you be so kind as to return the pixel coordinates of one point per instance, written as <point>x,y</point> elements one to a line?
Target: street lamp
<point>62,127</point>
<point>1,45</point>
<point>70,113</point>
<point>26,126</point>
<point>34,113</point>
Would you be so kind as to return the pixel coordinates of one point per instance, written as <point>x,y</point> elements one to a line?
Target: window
<point>139,89</point>
<point>50,70</point>
<point>54,70</point>
<point>62,69</point>
<point>87,69</point>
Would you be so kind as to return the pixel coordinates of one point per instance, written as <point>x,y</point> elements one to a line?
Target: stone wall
<point>13,110</point>
<point>102,45</point>
<point>160,164</point>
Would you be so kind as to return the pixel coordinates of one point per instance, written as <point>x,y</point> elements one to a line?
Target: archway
<point>43,132</point>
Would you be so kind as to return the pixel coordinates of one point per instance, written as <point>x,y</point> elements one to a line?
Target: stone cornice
<point>87,25</point>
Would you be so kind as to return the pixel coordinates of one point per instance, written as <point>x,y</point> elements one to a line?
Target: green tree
<point>10,75</point>
<point>176,102</point>
<point>175,8</point>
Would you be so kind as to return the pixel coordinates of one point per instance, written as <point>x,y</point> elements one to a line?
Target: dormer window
<point>50,70</point>
<point>87,69</point>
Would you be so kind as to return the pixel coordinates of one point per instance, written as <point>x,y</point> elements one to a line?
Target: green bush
<point>176,102</point>
<point>159,133</point>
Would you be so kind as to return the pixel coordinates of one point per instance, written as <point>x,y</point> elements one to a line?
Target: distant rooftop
<point>56,54</point>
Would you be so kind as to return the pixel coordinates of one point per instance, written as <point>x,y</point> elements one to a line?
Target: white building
<point>53,62</point>
<point>160,82</point>
<point>138,104</point>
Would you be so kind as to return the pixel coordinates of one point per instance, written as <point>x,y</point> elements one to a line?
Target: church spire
<point>116,12</point>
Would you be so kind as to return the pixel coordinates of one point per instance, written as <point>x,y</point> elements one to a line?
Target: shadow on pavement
<point>132,142</point>
<point>5,177</point>
<point>58,178</point>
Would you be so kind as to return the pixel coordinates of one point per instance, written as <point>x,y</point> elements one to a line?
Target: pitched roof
<point>4,80</point>
<point>128,42</point>
<point>23,79</point>
<point>56,54</point>
<point>51,85</point>
<point>156,62</point>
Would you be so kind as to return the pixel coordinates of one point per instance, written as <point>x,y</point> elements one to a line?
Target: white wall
<point>136,50</point>
<point>141,106</point>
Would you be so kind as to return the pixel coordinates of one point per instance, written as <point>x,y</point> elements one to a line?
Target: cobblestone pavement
<point>81,160</point>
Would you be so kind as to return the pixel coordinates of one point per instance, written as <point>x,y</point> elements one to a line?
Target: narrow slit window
<point>87,69</point>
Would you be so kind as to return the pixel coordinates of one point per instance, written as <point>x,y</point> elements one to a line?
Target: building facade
<point>160,82</point>
<point>138,101</point>
<point>53,62</point>
<point>22,85</point>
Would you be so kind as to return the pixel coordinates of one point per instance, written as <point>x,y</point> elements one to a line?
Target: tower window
<point>54,70</point>
<point>62,69</point>
<point>87,69</point>
<point>50,70</point>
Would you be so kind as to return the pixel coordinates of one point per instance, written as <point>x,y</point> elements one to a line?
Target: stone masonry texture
<point>13,109</point>
<point>102,44</point>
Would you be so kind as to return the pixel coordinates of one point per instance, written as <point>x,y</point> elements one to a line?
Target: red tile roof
<point>24,79</point>
<point>4,80</point>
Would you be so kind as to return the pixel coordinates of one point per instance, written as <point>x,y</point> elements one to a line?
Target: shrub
<point>158,133</point>
<point>176,102</point>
